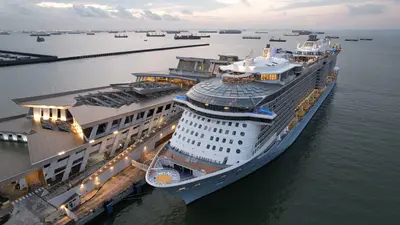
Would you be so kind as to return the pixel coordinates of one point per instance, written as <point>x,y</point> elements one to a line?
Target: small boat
<point>113,32</point>
<point>90,33</point>
<point>366,39</point>
<point>261,32</point>
<point>39,34</point>
<point>291,34</point>
<point>186,37</point>
<point>4,33</point>
<point>208,31</point>
<point>55,33</point>
<point>120,36</point>
<point>251,37</point>
<point>155,34</point>
<point>350,39</point>
<point>40,39</point>
<point>272,39</point>
<point>332,37</point>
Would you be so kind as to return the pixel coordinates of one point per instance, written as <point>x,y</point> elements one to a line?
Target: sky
<point>186,14</point>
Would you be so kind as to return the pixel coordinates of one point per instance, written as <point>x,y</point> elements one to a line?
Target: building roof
<point>14,160</point>
<point>44,144</point>
<point>62,99</point>
<point>87,115</point>
<point>16,124</point>
<point>220,93</point>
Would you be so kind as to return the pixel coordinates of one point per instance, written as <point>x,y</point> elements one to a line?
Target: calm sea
<point>343,169</point>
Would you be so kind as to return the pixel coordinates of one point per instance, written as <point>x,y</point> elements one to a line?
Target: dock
<point>37,58</point>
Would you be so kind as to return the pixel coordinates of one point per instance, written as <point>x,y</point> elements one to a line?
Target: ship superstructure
<point>242,119</point>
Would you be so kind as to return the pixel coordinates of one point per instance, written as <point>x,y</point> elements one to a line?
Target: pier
<point>108,192</point>
<point>31,58</point>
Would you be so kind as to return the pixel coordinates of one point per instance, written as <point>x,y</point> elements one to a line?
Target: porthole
<point>228,150</point>
<point>242,133</point>
<point>244,125</point>
<point>238,151</point>
<point>240,142</point>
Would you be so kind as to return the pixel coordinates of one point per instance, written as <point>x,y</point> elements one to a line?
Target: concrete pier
<point>48,59</point>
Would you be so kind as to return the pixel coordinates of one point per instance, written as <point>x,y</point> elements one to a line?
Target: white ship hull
<point>192,191</point>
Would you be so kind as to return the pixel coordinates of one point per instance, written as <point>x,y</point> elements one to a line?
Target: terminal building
<point>64,134</point>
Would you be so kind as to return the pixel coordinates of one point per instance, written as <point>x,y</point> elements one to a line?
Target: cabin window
<point>238,151</point>
<point>228,150</point>
<point>240,142</point>
<point>208,146</point>
<point>242,133</point>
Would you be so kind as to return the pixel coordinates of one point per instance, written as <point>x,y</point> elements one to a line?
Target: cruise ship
<point>240,120</point>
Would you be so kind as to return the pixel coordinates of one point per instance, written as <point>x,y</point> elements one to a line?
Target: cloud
<point>123,13</point>
<point>366,9</point>
<point>168,17</point>
<point>187,12</point>
<point>90,11</point>
<point>316,3</point>
<point>148,14</point>
<point>245,2</point>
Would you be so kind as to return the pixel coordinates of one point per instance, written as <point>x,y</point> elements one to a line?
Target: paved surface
<point>111,188</point>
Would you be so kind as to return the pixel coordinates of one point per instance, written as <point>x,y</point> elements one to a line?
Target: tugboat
<point>40,39</point>
<point>121,36</point>
<point>186,37</point>
<point>276,40</point>
<point>154,34</point>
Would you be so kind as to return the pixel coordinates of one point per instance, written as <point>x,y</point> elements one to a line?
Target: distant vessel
<point>155,34</point>
<point>261,32</point>
<point>186,37</point>
<point>74,32</point>
<point>120,36</point>
<point>366,39</point>
<point>350,39</point>
<point>55,33</point>
<point>208,31</point>
<point>202,35</point>
<point>291,34</point>
<point>113,32</point>
<point>272,39</point>
<point>230,31</point>
<point>4,33</point>
<point>251,37</point>
<point>173,31</point>
<point>144,31</point>
<point>302,32</point>
<point>90,33</point>
<point>319,32</point>
<point>40,39</point>
<point>39,34</point>
<point>332,37</point>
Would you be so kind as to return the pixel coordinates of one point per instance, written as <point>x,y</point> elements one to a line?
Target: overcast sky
<point>131,14</point>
